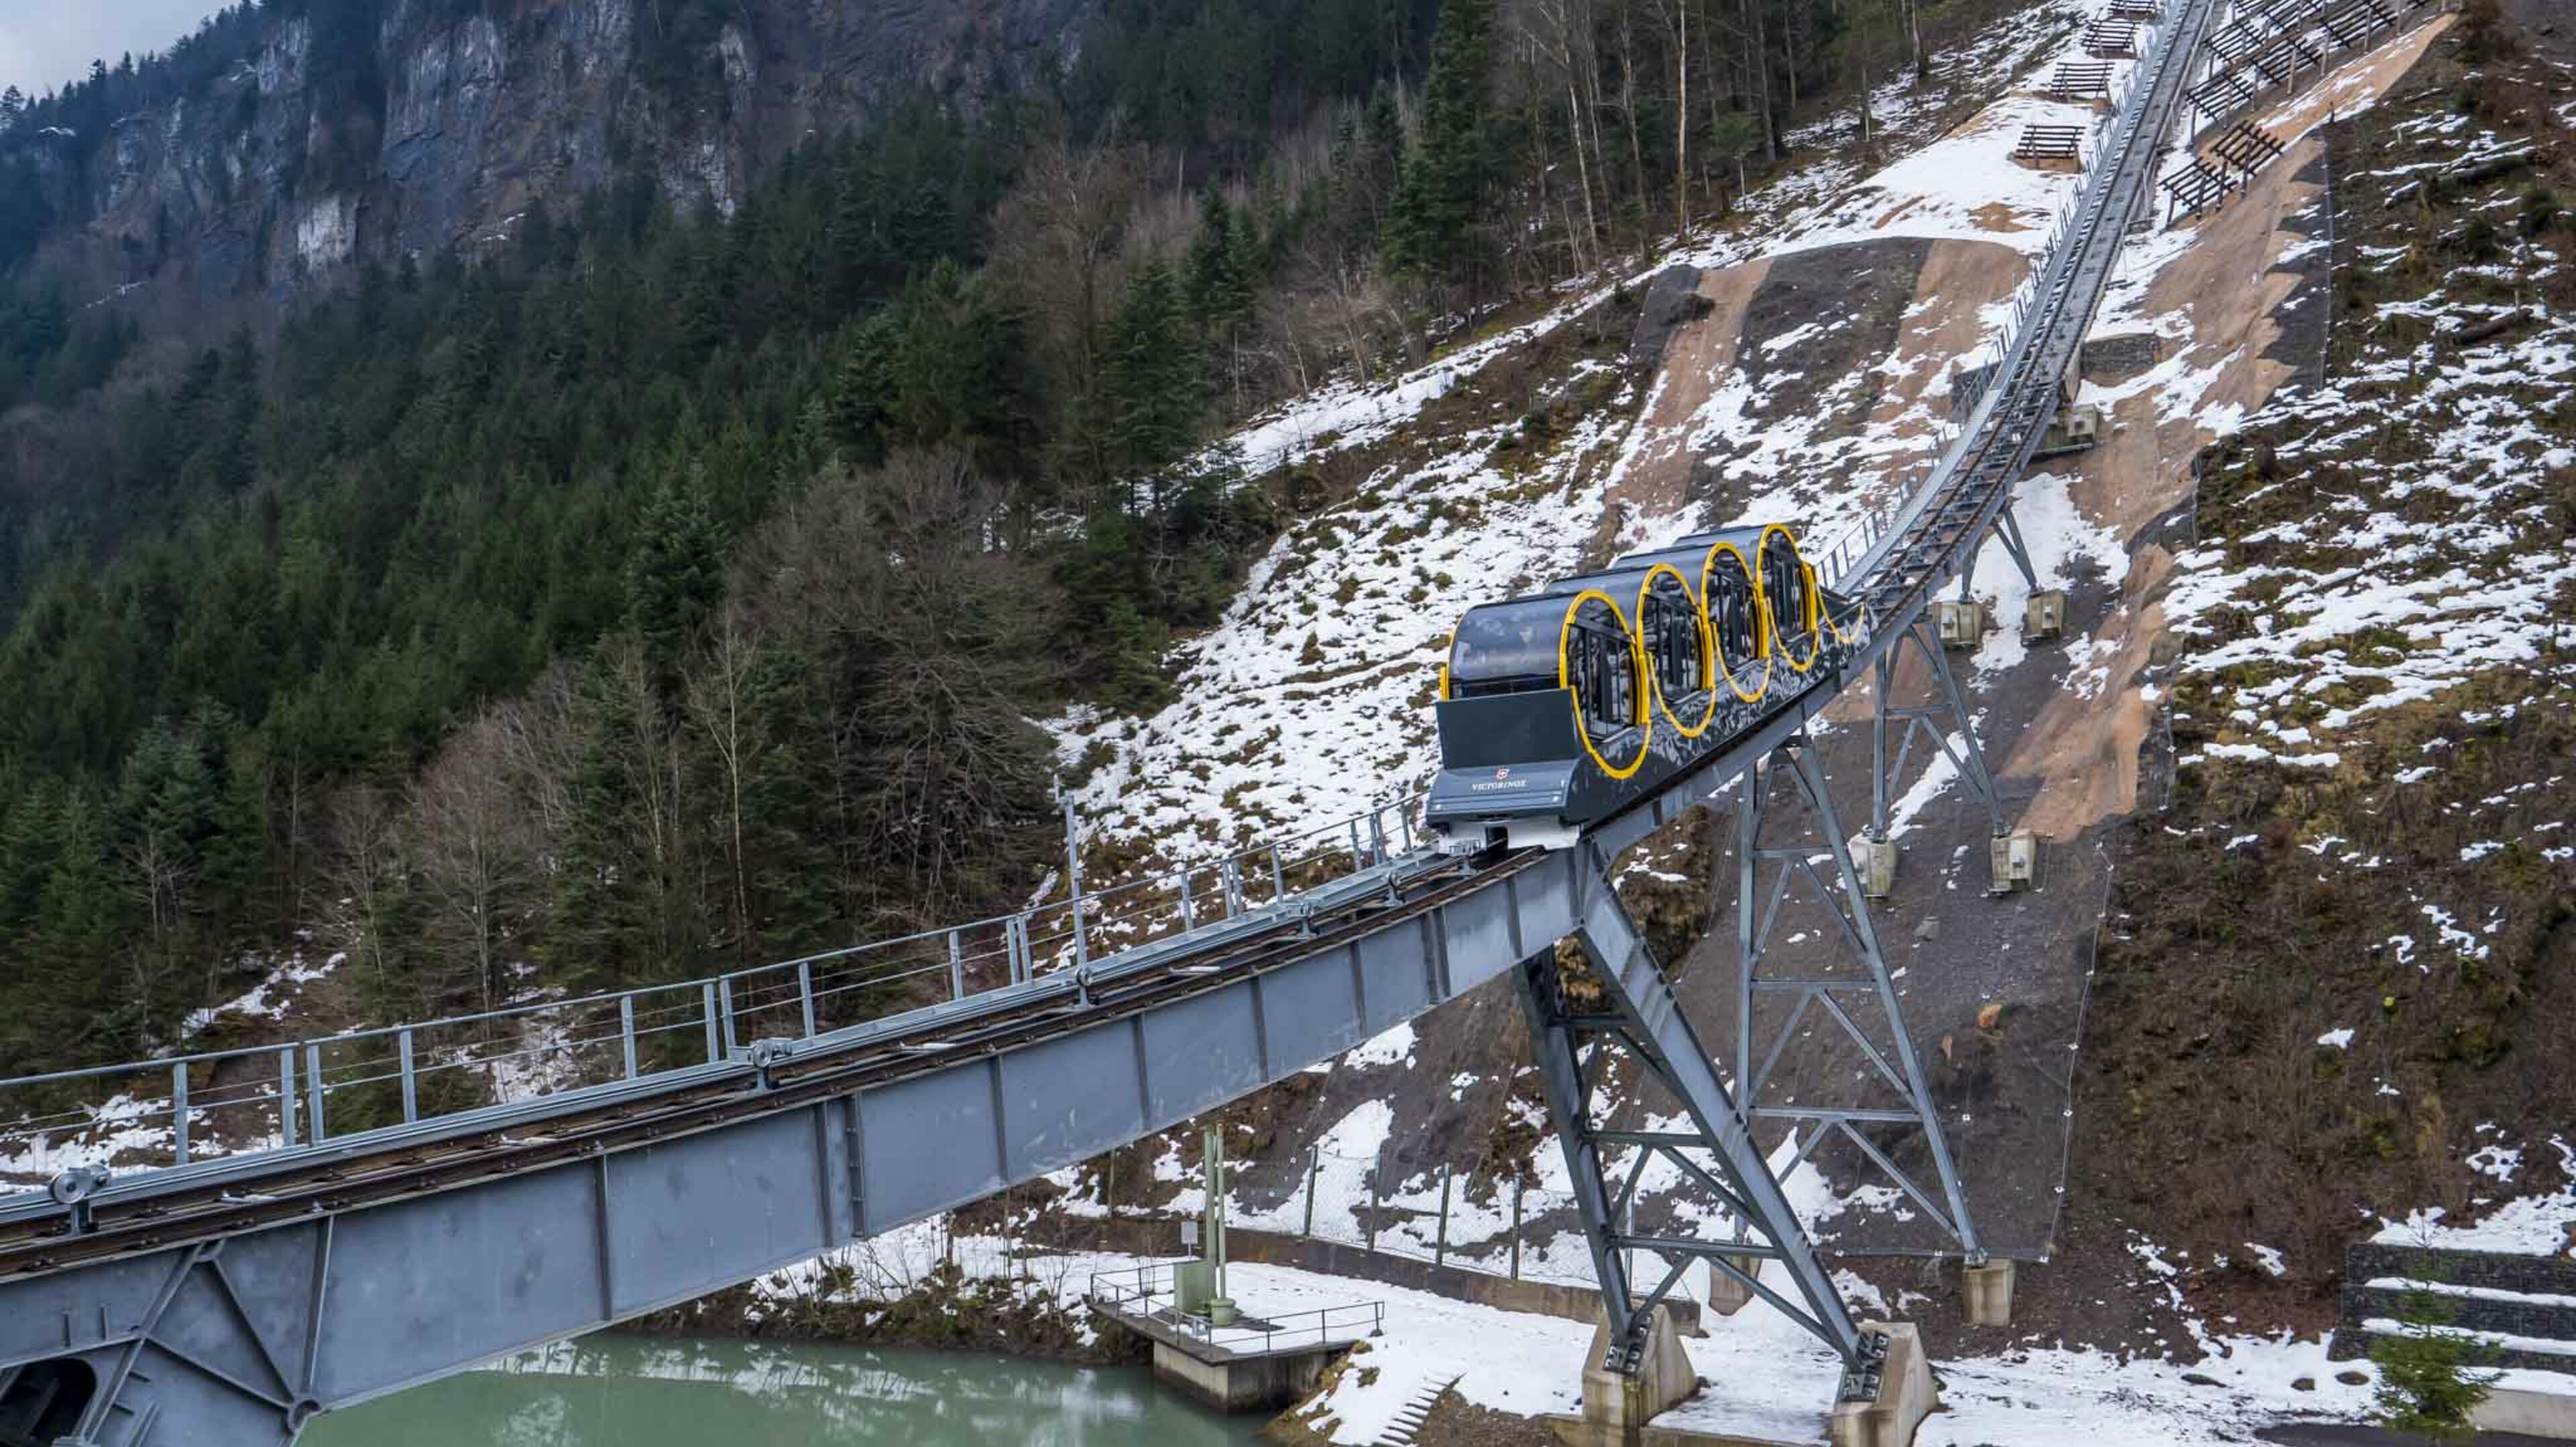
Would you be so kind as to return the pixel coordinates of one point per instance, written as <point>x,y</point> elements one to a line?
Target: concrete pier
<point>1905,1396</point>
<point>1986,1293</point>
<point>1617,1406</point>
<point>1247,1365</point>
<point>1726,1295</point>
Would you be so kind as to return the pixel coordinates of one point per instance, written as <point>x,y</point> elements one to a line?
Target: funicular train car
<point>1563,707</point>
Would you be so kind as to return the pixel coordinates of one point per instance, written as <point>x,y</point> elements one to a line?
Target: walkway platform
<point>1253,1363</point>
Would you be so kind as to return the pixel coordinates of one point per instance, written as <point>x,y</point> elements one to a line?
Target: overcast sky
<point>46,44</point>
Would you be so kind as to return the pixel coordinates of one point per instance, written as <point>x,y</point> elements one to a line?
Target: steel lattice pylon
<point>1638,1016</point>
<point>1845,999</point>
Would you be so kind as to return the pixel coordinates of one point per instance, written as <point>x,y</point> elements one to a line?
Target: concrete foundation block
<point>1726,1295</point>
<point>1242,1384</point>
<point>2015,857</point>
<point>1986,1293</point>
<point>2043,618</point>
<point>1876,859</point>
<point>1961,625</point>
<point>1619,1404</point>
<point>1905,1396</point>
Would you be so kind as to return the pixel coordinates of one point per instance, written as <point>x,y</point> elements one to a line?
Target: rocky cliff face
<point>302,157</point>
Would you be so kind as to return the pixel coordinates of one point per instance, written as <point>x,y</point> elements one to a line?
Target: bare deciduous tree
<point>362,868</point>
<point>1057,239</point>
<point>896,568</point>
<point>476,850</point>
<point>718,688</point>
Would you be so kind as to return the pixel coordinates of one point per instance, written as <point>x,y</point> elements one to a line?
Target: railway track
<point>361,1177</point>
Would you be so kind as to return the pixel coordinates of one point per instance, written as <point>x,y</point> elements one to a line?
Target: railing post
<point>1376,1203</point>
<point>1015,946</point>
<point>707,1001</point>
<point>1189,906</point>
<point>1440,1243</point>
<point>1314,1168</point>
<point>1230,879</point>
<point>179,1115</point>
<point>1278,877</point>
<point>313,1089</point>
<point>410,1079</point>
<point>956,978</point>
<point>805,994</point>
<point>286,1096</point>
<point>1516,1229</point>
<point>1073,874</point>
<point>626,1031</point>
<point>1358,860</point>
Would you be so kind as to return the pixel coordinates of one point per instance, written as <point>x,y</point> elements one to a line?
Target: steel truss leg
<point>1921,721</point>
<point>1639,1017</point>
<point>1898,1067</point>
<point>2008,528</point>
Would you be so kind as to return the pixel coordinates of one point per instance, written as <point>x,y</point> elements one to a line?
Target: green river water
<point>613,1391</point>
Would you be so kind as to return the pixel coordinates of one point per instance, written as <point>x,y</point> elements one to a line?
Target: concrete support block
<point>1986,1293</point>
<point>1961,625</point>
<point>1617,1405</point>
<point>1876,859</point>
<point>1726,1295</point>
<point>2043,618</point>
<point>2015,857</point>
<point>1905,1396</point>
<point>1242,1384</point>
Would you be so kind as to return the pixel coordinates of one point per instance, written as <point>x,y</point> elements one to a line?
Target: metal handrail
<point>1144,1291</point>
<point>1349,1314</point>
<point>1033,941</point>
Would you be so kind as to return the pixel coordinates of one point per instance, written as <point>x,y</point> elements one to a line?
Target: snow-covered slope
<point>1496,466</point>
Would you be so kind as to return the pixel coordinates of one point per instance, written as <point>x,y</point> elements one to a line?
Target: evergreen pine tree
<point>1435,227</point>
<point>677,576</point>
<point>2429,1374</point>
<point>928,373</point>
<point>1220,285</point>
<point>862,403</point>
<point>1152,379</point>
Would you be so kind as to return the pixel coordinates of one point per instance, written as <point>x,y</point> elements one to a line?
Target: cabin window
<point>1605,678</point>
<point>1786,582</point>
<point>1731,619</point>
<point>1672,636</point>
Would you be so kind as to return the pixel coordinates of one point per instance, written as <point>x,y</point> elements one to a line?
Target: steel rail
<point>266,1190</point>
<point>1172,952</point>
